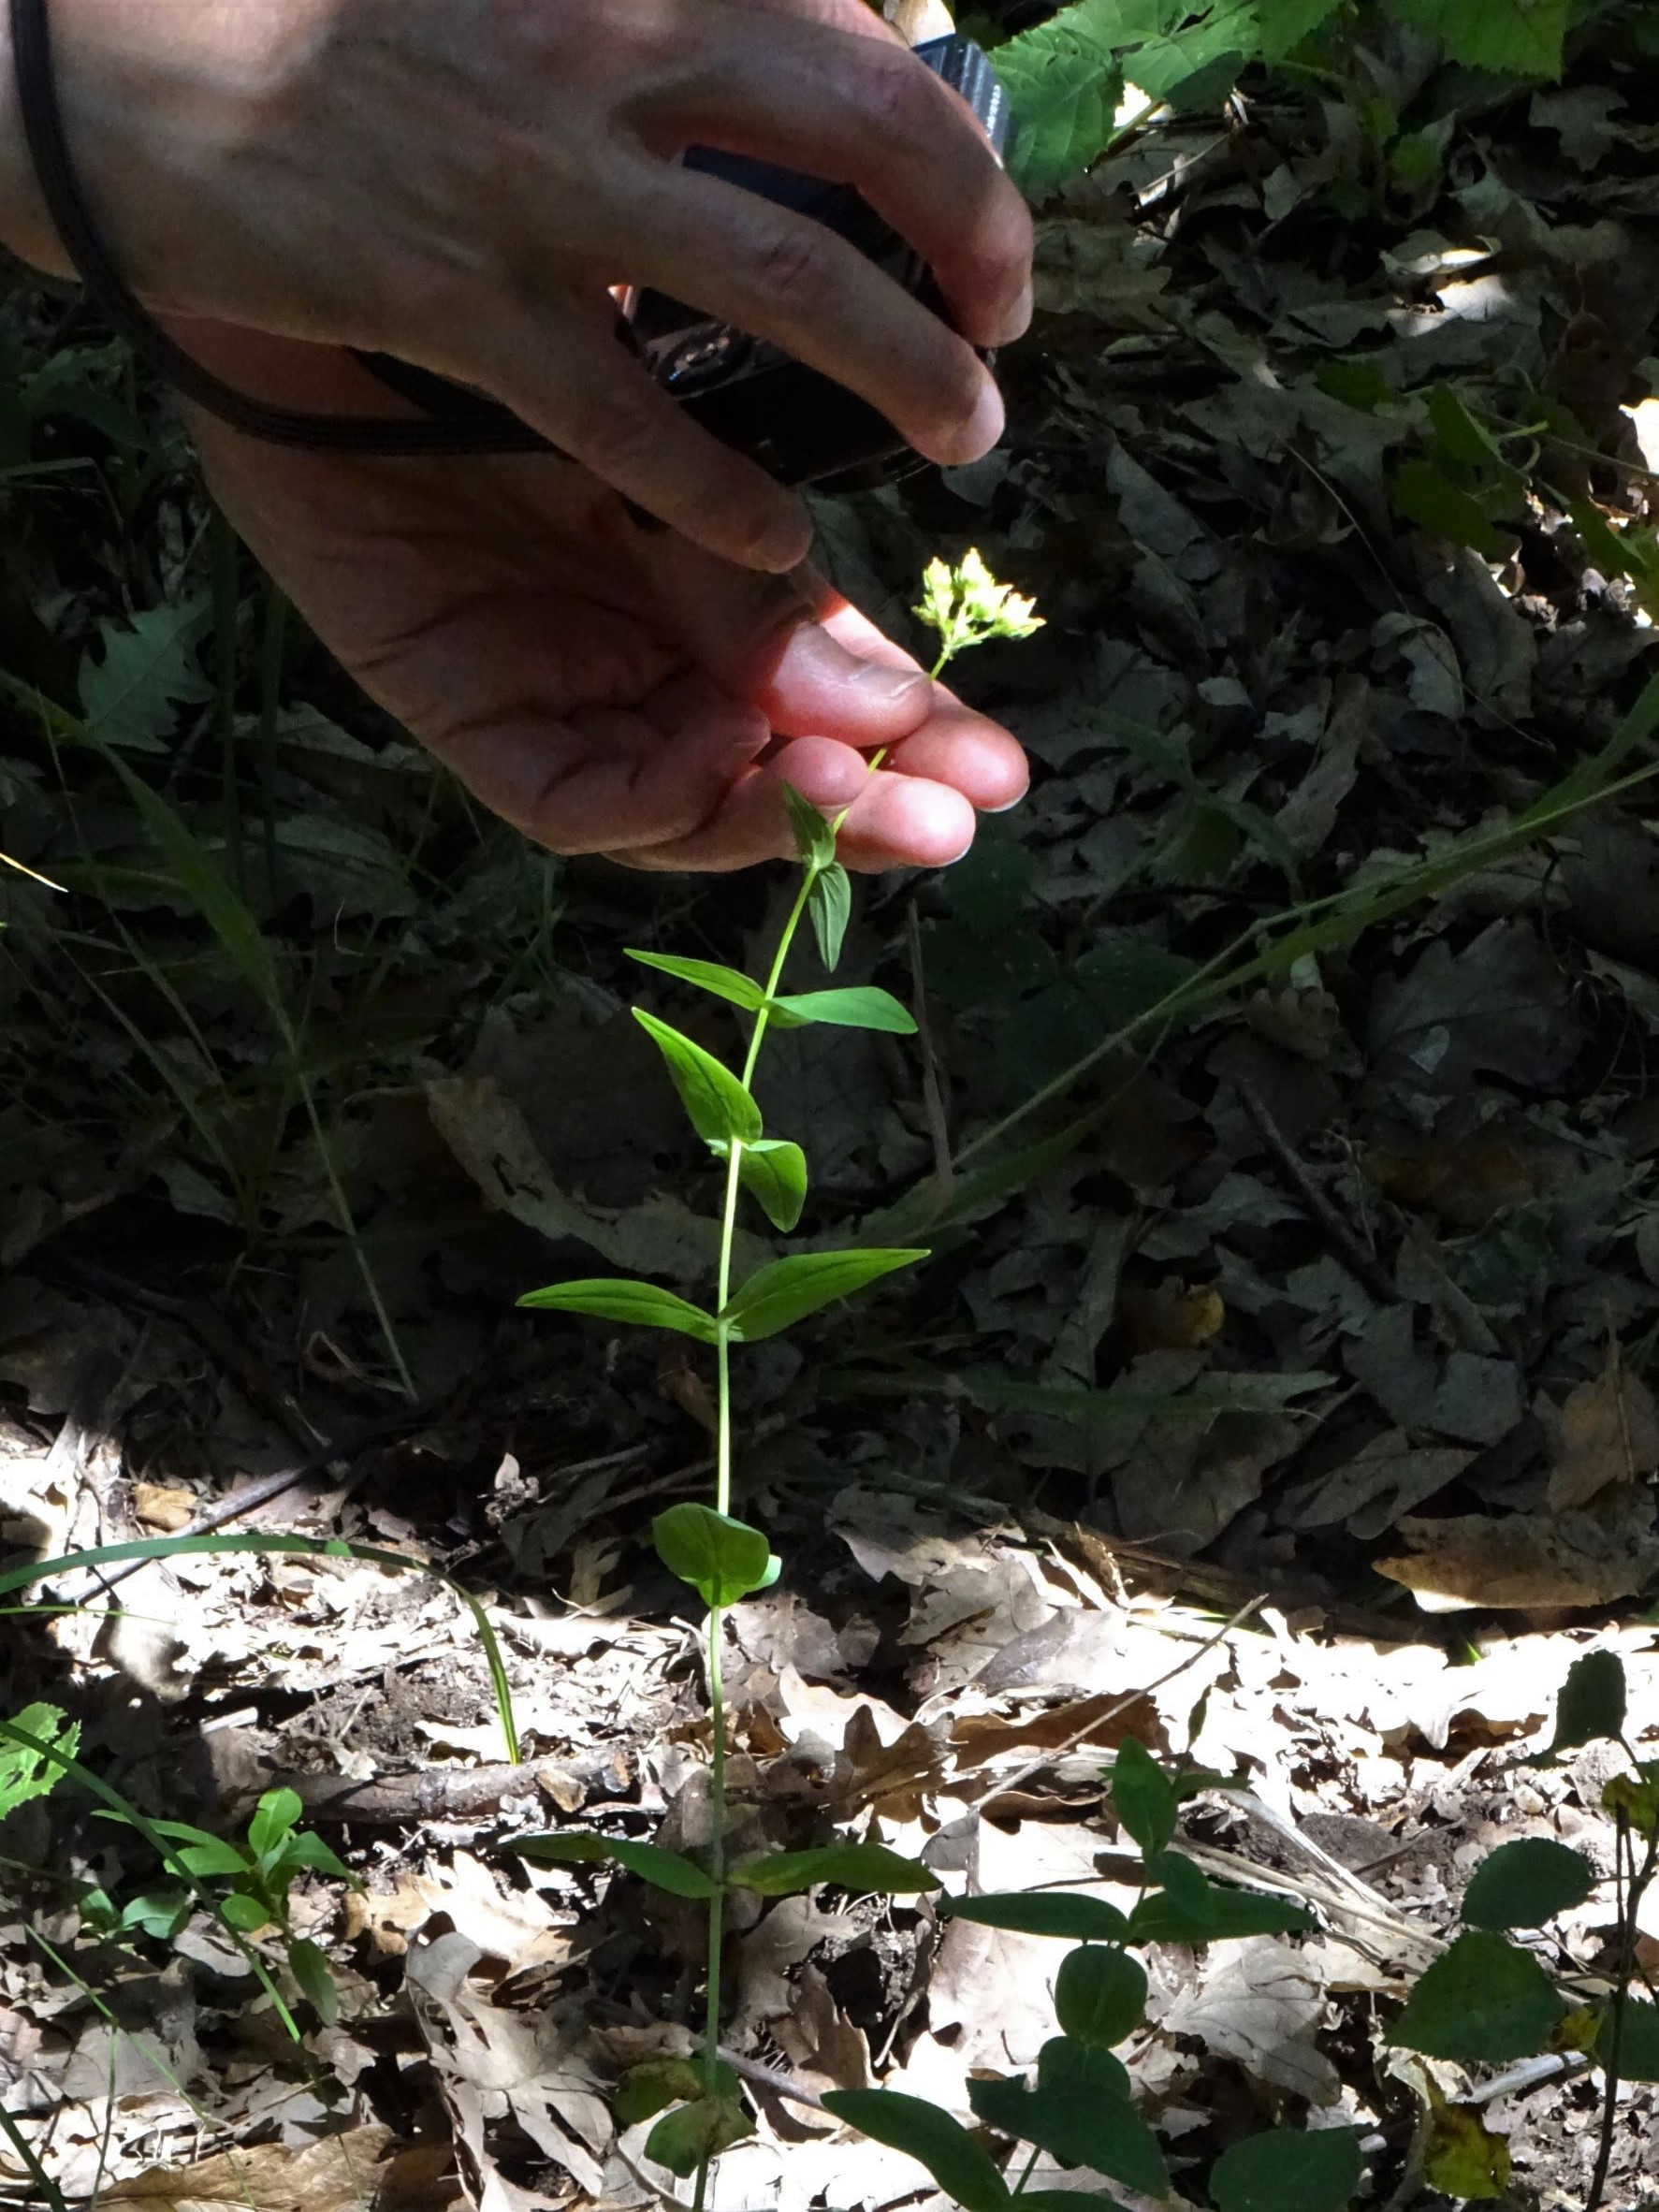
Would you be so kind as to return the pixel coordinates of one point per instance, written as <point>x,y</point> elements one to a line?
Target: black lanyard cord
<point>456,421</point>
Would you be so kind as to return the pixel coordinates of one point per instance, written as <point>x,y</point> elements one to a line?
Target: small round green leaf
<point>616,1298</point>
<point>1100,1995</point>
<point>789,1290</point>
<point>1080,2111</point>
<point>722,1559</point>
<point>775,1176</point>
<point>1525,1884</point>
<point>1484,2001</point>
<point>1042,1912</point>
<point>1142,1796</point>
<point>869,1867</point>
<point>695,2132</point>
<point>718,1105</point>
<point>928,2136</point>
<point>1289,2170</point>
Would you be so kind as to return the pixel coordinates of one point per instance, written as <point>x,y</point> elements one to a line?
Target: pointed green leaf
<point>1045,1913</point>
<point>708,975</point>
<point>789,1290</point>
<point>724,1560</point>
<point>1485,1999</point>
<point>212,1857</point>
<point>663,1869</point>
<point>1525,1884</point>
<point>1189,1908</point>
<point>648,2087</point>
<point>774,1174</point>
<point>310,1851</point>
<point>245,1914</point>
<point>26,1774</point>
<point>696,2133</point>
<point>717,1102</point>
<point>1100,1995</point>
<point>1592,1703</point>
<point>862,1006</point>
<point>1311,2173</point>
<point>869,1867</point>
<point>1142,1796</point>
<point>829,905</point>
<point>311,1970</point>
<point>1519,37</point>
<point>928,2136</point>
<point>619,1297</point>
<point>148,670</point>
<point>275,1818</point>
<point>1081,2111</point>
<point>815,839</point>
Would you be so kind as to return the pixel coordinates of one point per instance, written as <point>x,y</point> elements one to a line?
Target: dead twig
<point>1365,1268</point>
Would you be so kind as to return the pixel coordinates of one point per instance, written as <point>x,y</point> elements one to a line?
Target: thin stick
<point>1363,1266</point>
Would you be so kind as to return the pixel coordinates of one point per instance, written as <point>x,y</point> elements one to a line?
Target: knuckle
<point>898,93</point>
<point>796,266</point>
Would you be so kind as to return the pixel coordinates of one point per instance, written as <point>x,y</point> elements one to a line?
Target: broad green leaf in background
<point>618,1298</point>
<point>774,1172</point>
<point>1638,2040</point>
<point>1284,24</point>
<point>1516,37</point>
<point>722,1559</point>
<point>1043,1913</point>
<point>1525,1884</point>
<point>928,2136</point>
<point>1592,1702</point>
<point>718,1104</point>
<point>1100,1995</point>
<point>663,1869</point>
<point>870,1867</point>
<point>1289,2170</point>
<point>862,1007</point>
<point>1484,2000</point>
<point>1142,1796</point>
<point>26,1774</point>
<point>789,1290</point>
<point>829,908</point>
<point>815,840</point>
<point>148,670</point>
<point>708,975</point>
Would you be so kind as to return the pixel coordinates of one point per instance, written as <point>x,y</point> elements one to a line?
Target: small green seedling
<point>260,1873</point>
<point>26,1774</point>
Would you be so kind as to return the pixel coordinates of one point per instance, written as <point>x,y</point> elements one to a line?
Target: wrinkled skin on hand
<point>605,686</point>
<point>460,181</point>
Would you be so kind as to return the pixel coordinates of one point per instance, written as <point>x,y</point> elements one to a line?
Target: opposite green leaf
<point>311,1970</point>
<point>696,2133</point>
<point>1592,1702</point>
<point>724,1560</point>
<point>616,1298</point>
<point>789,1290</point>
<point>708,975</point>
<point>1525,1884</point>
<point>274,1817</point>
<point>869,1867</point>
<point>862,1006</point>
<point>1100,1995</point>
<point>663,1869</point>
<point>774,1172</point>
<point>815,840</point>
<point>928,2136</point>
<point>829,905</point>
<point>1484,2000</point>
<point>1289,2170</point>
<point>1189,1908</point>
<point>1045,1913</point>
<point>717,1102</point>
<point>1081,2112</point>
<point>1638,2040</point>
<point>1142,1796</point>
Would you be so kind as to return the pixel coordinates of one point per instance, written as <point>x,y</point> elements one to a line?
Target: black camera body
<point>799,425</point>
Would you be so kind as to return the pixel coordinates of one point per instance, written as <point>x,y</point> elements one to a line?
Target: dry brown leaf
<point>350,2173</point>
<point>1609,1433</point>
<point>1260,2002</point>
<point>159,1506</point>
<point>1529,1561</point>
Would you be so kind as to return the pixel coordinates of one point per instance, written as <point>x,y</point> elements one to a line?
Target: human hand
<point>604,687</point>
<point>458,183</point>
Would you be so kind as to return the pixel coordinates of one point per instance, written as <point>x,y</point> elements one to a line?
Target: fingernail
<point>984,425</point>
<point>1019,316</point>
<point>956,856</point>
<point>887,687</point>
<point>1009,805</point>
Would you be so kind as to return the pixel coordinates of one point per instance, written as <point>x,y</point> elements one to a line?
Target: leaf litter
<point>1339,1318</point>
